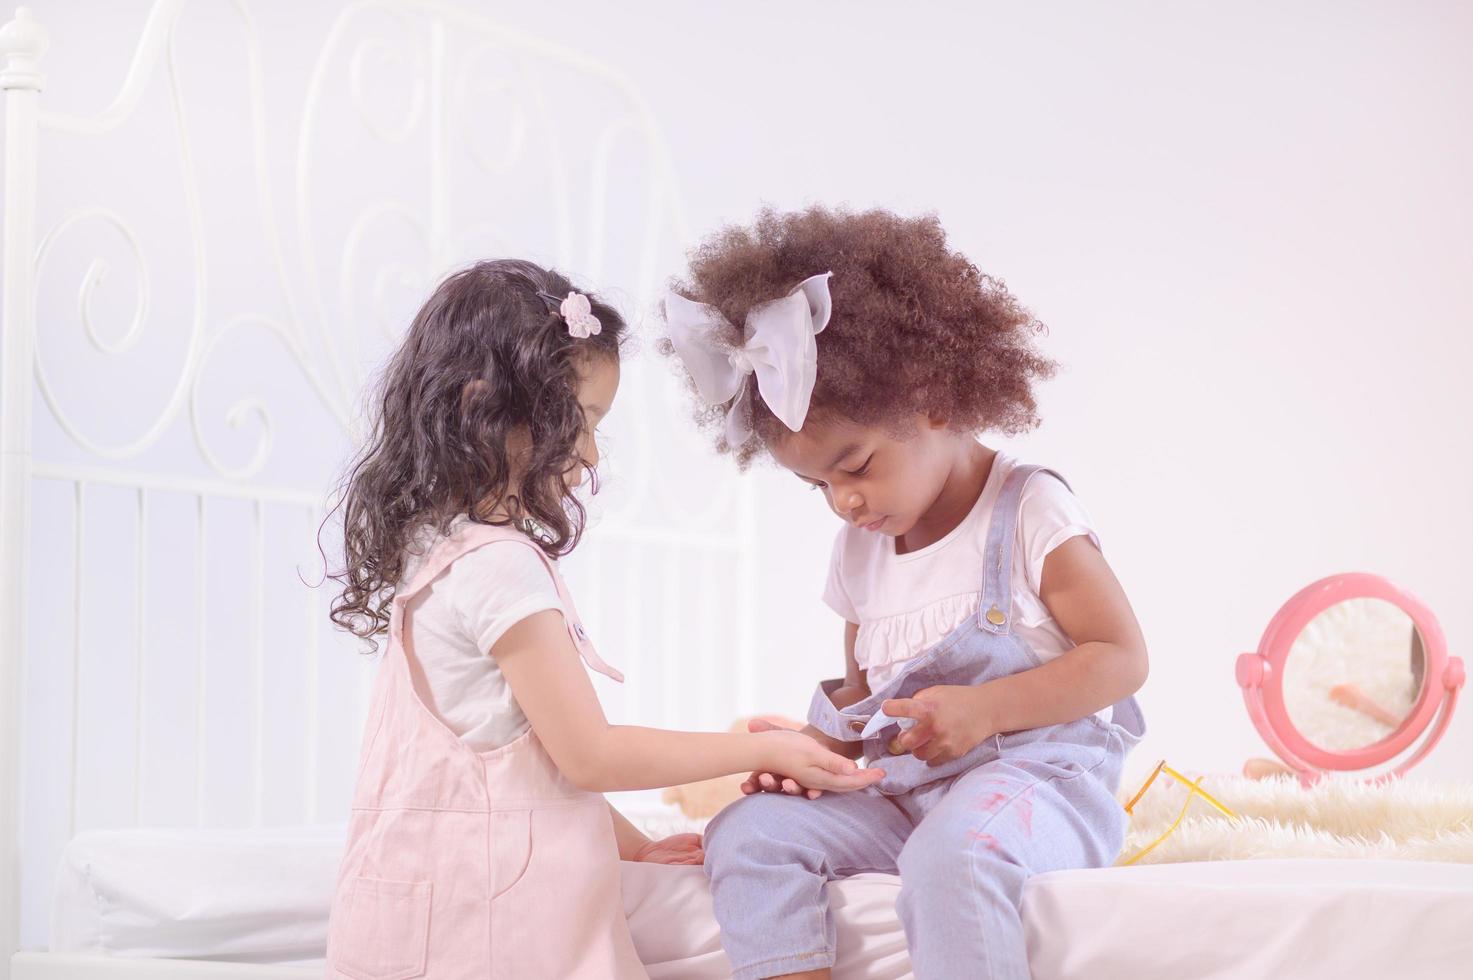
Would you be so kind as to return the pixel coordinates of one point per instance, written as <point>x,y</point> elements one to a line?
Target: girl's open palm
<point>802,766</point>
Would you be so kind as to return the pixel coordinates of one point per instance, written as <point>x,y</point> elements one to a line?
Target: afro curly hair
<point>916,330</point>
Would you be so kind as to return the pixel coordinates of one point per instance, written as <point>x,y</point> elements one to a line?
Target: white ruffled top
<point>905,604</point>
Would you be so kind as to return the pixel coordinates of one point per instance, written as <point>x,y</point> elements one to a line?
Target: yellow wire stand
<point>1194,788</point>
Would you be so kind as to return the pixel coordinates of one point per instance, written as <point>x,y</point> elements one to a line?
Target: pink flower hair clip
<point>578,313</point>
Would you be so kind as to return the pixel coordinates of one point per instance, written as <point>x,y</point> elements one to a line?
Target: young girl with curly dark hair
<point>990,654</point>
<point>478,844</point>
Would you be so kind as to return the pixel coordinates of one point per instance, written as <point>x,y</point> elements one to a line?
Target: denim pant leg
<point>962,871</point>
<point>770,858</point>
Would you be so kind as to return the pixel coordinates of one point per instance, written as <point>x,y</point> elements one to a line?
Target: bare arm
<point>548,679</point>
<point>630,838</point>
<point>856,688</point>
<point>1107,665</point>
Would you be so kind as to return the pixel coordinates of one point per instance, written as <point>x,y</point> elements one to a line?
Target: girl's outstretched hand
<point>800,765</point>
<point>762,781</point>
<point>679,849</point>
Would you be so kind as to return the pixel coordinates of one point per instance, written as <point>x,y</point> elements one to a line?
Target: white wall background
<point>1248,227</point>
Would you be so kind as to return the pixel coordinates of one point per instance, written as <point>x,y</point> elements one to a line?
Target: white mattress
<point>262,896</point>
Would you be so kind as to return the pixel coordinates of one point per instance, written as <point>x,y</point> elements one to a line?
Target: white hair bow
<point>777,345</point>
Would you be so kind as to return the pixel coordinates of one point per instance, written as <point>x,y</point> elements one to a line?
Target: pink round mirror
<point>1350,674</point>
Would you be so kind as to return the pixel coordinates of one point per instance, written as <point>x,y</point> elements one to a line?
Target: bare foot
<point>1265,769</point>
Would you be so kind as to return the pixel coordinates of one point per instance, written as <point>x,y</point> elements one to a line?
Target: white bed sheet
<point>262,896</point>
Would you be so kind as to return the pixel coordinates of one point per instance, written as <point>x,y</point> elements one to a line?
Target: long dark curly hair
<point>916,329</point>
<point>487,355</point>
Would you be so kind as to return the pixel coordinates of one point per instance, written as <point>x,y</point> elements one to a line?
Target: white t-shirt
<point>456,620</point>
<point>906,604</point>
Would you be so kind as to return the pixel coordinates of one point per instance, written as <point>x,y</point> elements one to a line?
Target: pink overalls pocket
<point>385,930</point>
<point>524,864</point>
<point>511,849</point>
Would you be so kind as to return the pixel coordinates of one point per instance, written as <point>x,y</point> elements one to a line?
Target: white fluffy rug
<point>1408,819</point>
<point>1412,819</point>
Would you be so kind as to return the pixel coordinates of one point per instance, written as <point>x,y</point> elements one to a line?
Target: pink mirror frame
<point>1261,676</point>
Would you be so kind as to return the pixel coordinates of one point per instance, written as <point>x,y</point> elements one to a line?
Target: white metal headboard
<point>198,519</point>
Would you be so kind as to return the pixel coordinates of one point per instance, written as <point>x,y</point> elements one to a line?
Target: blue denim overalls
<point>963,836</point>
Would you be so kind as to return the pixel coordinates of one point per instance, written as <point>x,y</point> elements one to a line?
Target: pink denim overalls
<point>465,864</point>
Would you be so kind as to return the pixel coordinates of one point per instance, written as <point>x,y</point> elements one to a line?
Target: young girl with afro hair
<point>990,654</point>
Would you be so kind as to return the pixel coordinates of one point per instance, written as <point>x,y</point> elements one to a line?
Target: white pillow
<point>251,895</point>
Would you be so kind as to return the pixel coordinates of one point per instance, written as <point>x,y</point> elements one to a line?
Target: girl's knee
<point>746,825</point>
<point>935,875</point>
<point>955,850</point>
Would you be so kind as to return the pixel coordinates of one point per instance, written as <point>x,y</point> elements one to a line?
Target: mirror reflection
<point>1354,674</point>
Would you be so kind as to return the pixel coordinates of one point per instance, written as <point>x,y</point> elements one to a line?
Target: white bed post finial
<point>22,43</point>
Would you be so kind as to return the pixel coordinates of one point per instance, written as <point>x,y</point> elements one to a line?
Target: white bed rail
<point>92,731</point>
<point>22,43</point>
